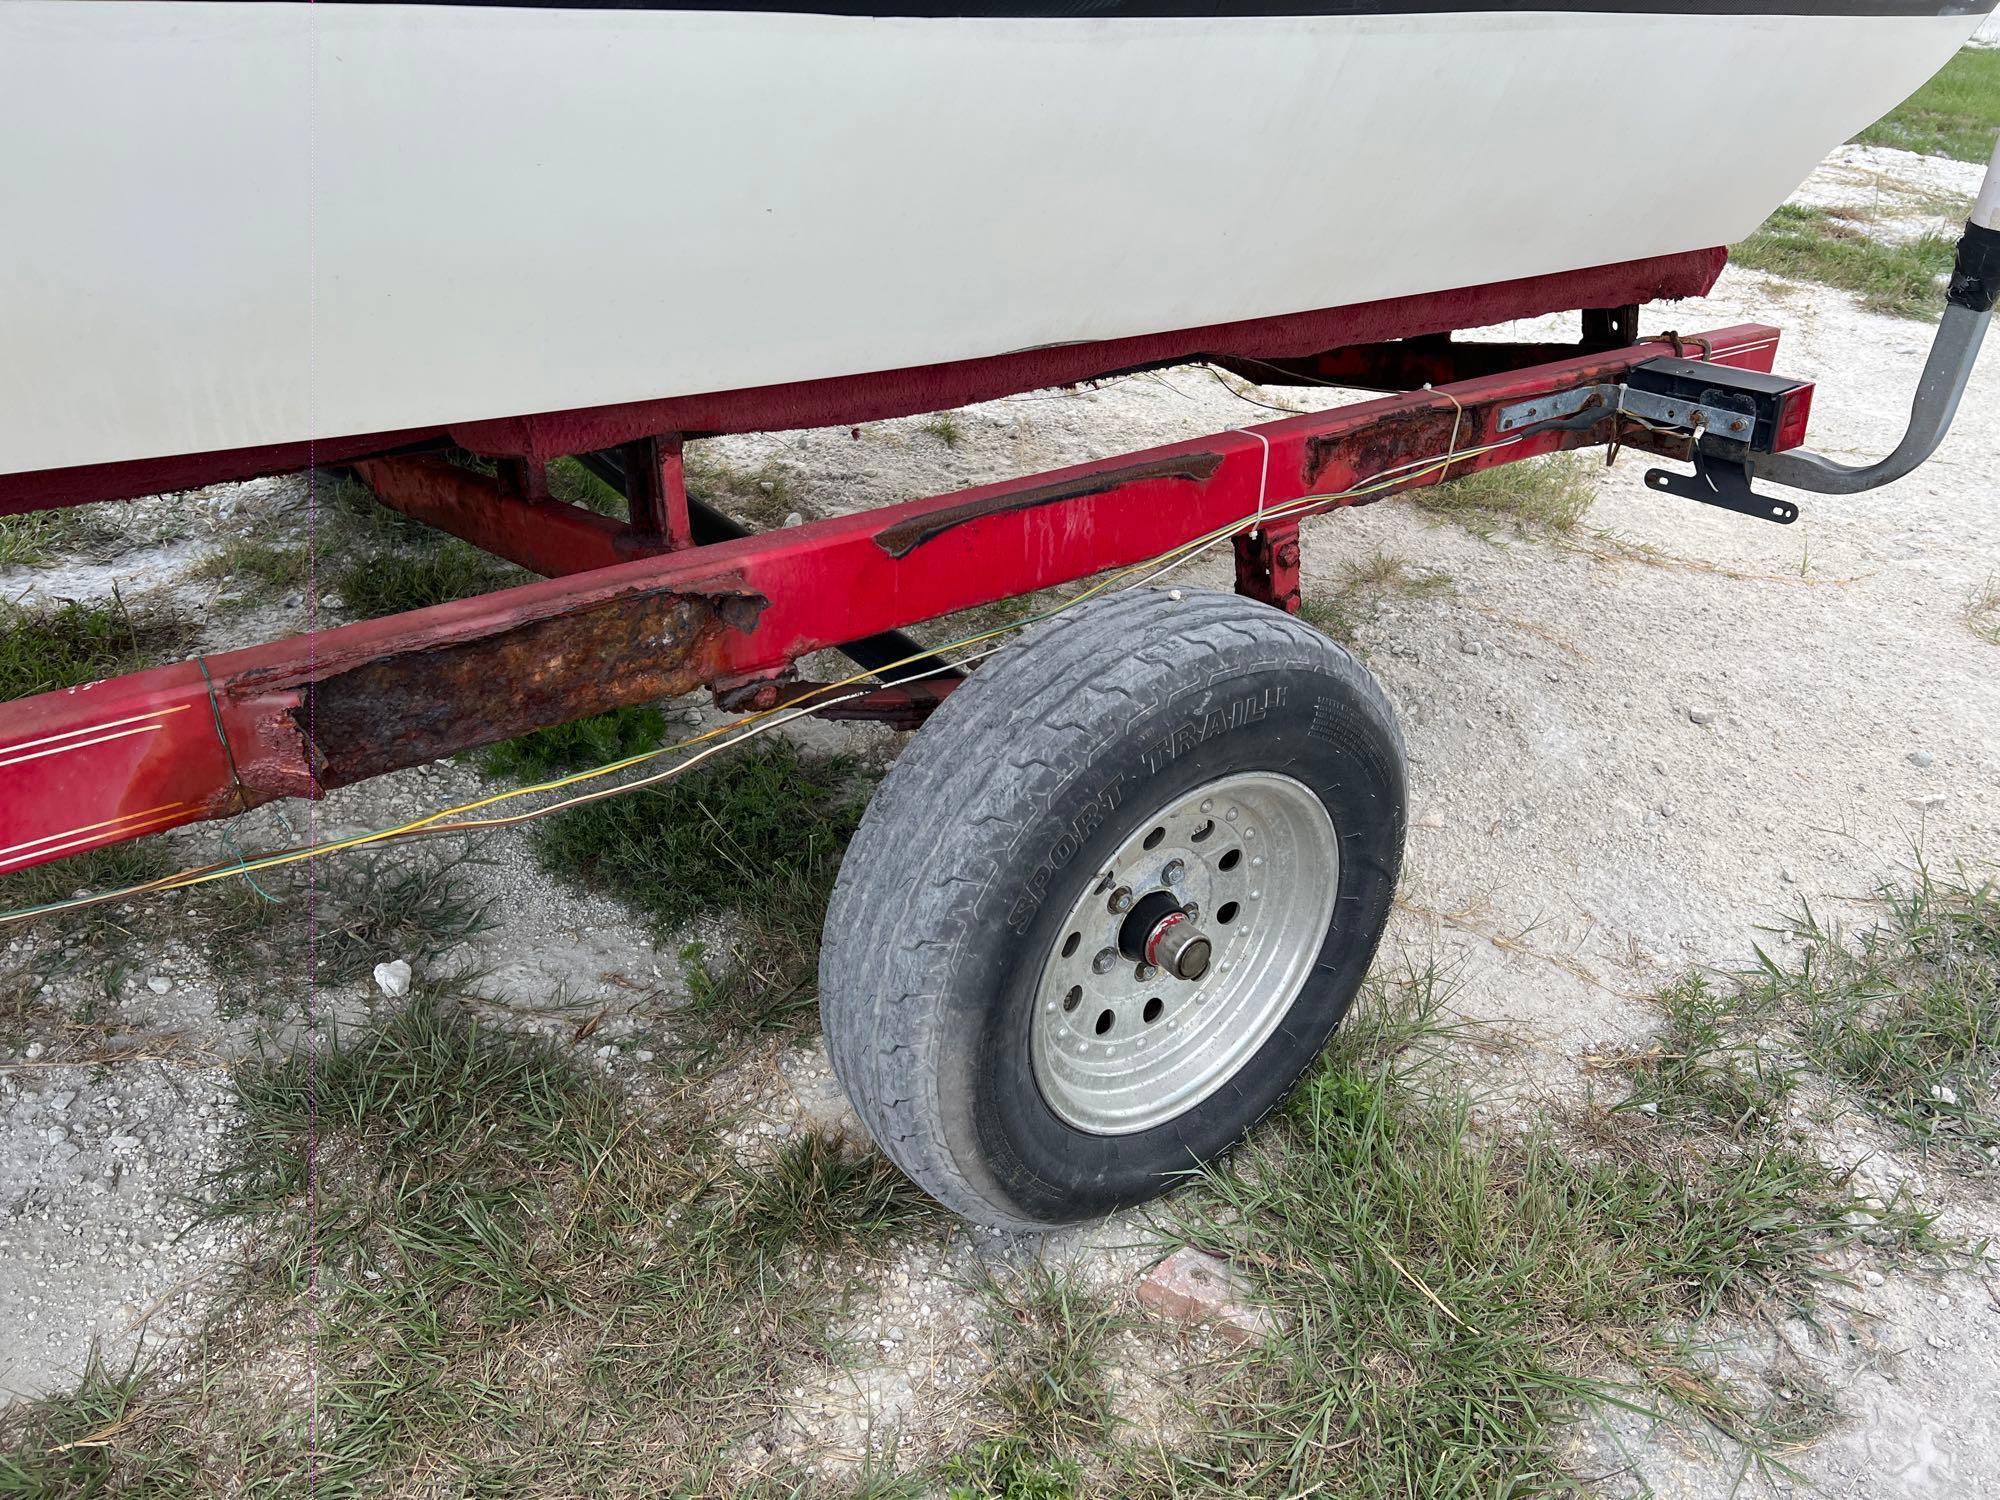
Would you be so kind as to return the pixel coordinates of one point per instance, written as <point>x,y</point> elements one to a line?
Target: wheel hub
<point>1178,962</point>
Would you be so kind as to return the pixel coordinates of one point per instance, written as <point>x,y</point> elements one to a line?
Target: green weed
<point>1906,1013</point>
<point>512,1286</point>
<point>1050,1353</point>
<point>576,746</point>
<point>1537,497</point>
<point>1815,244</point>
<point>392,582</point>
<point>1364,586</point>
<point>1982,612</point>
<point>42,537</point>
<point>1450,1292</point>
<point>1008,1469</point>
<point>946,428</point>
<point>756,834</point>
<point>67,644</point>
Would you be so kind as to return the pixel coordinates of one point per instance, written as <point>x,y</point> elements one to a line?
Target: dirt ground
<point>1632,752</point>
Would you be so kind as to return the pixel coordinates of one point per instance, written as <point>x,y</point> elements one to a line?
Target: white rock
<point>1702,714</point>
<point>393,977</point>
<point>1921,759</point>
<point>32,1051</point>
<point>1944,1093</point>
<point>159,984</point>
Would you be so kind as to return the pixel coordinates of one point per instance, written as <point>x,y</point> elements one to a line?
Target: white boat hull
<point>231,225</point>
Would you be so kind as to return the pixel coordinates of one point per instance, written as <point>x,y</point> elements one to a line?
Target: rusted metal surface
<point>93,765</point>
<point>415,706</point>
<point>1267,565</point>
<point>850,399</point>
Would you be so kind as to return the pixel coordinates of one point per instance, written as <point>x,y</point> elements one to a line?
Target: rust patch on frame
<point>415,706</point>
<point>905,537</point>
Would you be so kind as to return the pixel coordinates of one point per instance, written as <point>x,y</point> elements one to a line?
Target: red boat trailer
<point>636,611</point>
<point>1113,897</point>
<point>1111,900</point>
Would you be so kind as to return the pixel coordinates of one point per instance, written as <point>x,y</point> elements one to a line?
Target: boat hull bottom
<point>879,395</point>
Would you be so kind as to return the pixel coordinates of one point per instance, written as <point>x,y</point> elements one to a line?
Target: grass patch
<point>72,533</point>
<point>1982,612</point>
<point>576,746</point>
<point>97,941</point>
<point>1956,114</point>
<point>1815,244</point>
<point>823,1193</point>
<point>756,835</point>
<point>362,911</point>
<point>1537,497</point>
<point>1364,586</point>
<point>1906,1013</point>
<point>249,559</point>
<point>945,427</point>
<point>1051,1341</point>
<point>42,649</point>
<point>760,498</point>
<point>392,582</point>
<point>571,482</point>
<point>516,1287</point>
<point>1008,1469</point>
<point>1712,1065</point>
<point>1451,1292</point>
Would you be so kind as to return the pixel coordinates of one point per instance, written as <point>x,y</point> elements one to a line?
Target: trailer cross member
<point>629,622</point>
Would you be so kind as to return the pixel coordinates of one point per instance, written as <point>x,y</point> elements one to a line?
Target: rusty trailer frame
<point>671,601</point>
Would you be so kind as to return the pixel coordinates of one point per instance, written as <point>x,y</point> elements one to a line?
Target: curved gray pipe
<point>1975,283</point>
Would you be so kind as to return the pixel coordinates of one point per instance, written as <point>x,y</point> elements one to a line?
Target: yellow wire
<point>760,722</point>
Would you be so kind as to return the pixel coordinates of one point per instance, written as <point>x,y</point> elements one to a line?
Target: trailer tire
<point>1117,739</point>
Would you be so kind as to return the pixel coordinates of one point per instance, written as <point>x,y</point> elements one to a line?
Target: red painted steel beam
<point>550,537</point>
<point>97,764</point>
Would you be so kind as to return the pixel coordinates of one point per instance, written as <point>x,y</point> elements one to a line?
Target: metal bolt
<point>1173,872</point>
<point>1144,972</point>
<point>1105,960</point>
<point>1192,910</point>
<point>1121,899</point>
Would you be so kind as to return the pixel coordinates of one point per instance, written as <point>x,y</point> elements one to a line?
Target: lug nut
<point>1174,871</point>
<point>1144,972</point>
<point>1121,899</point>
<point>1106,958</point>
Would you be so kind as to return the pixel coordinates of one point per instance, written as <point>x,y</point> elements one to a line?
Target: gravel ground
<point>1624,762</point>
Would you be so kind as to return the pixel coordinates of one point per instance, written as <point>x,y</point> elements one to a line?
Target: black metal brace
<point>1724,482</point>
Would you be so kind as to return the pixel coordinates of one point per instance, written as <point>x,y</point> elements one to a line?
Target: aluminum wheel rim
<point>1118,1049</point>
